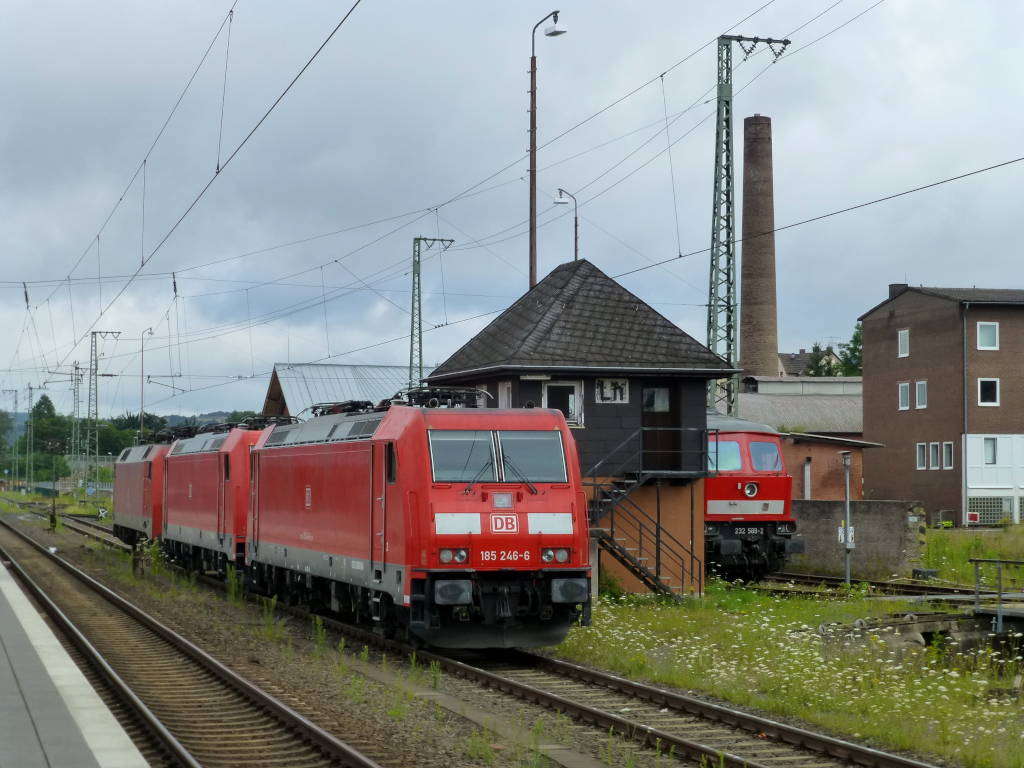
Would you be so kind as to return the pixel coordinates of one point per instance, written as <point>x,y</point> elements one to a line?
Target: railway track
<point>885,587</point>
<point>673,723</point>
<point>203,713</point>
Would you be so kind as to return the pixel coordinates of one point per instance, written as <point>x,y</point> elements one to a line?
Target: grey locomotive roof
<point>301,385</point>
<point>578,318</point>
<point>805,413</point>
<point>724,423</point>
<point>960,295</point>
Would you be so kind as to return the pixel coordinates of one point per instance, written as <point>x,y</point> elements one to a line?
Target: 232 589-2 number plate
<point>750,531</point>
<point>505,555</point>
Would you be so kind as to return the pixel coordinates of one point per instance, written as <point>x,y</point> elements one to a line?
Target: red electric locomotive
<point>462,527</point>
<point>206,498</point>
<point>748,521</point>
<point>138,492</point>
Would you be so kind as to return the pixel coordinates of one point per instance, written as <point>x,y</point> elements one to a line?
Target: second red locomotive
<point>748,520</point>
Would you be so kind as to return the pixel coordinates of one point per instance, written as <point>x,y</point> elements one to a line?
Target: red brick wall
<point>827,480</point>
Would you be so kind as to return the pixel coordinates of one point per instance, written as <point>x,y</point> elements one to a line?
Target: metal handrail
<point>978,562</point>
<point>639,451</point>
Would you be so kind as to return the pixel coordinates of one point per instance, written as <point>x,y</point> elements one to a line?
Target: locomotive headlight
<point>750,490</point>
<point>547,555</point>
<point>785,527</point>
<point>461,555</point>
<point>446,556</point>
<point>562,555</point>
<point>710,530</point>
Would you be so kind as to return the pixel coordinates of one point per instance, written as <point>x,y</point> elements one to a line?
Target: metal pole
<point>576,227</point>
<point>142,382</point>
<point>533,164</point>
<point>533,146</point>
<point>847,535</point>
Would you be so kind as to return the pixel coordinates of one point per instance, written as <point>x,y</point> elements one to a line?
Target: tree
<point>851,354</point>
<point>6,427</point>
<point>43,409</point>
<point>237,417</point>
<point>822,362</point>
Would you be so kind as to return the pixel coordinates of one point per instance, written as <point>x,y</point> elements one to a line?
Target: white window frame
<point>998,394</point>
<point>902,388</point>
<point>504,394</point>
<point>947,455</point>
<point>985,443</point>
<point>978,335</point>
<point>577,384</point>
<point>921,453</point>
<point>919,387</point>
<point>934,456</point>
<point>903,342</point>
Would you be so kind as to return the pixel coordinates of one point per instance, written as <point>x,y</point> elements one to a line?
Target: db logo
<point>504,524</point>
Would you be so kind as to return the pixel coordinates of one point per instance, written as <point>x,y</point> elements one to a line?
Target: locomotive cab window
<point>765,457</point>
<point>462,455</point>
<point>535,456</point>
<point>724,456</point>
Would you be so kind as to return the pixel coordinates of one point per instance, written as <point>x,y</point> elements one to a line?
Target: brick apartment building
<point>943,392</point>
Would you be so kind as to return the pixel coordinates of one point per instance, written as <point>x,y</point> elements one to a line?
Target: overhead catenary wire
<point>840,211</point>
<point>202,192</point>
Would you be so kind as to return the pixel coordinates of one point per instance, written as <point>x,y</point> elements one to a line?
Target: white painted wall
<point>1005,478</point>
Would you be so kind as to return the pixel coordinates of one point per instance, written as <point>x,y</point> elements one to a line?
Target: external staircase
<point>636,539</point>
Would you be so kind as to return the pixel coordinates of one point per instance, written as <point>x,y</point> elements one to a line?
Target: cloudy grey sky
<point>414,103</point>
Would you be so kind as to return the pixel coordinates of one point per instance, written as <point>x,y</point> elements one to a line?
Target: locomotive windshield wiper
<point>507,462</point>
<point>477,476</point>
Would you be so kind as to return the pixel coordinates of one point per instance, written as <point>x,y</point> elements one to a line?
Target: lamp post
<point>575,220</point>
<point>142,381</point>
<point>847,528</point>
<point>553,31</point>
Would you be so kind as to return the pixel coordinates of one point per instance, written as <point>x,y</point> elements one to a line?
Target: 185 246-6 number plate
<point>505,555</point>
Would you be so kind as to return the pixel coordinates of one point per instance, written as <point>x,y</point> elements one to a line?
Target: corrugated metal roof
<point>305,384</point>
<point>805,413</point>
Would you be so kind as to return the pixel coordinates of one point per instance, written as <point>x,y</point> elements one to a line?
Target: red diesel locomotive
<point>748,520</point>
<point>464,528</point>
<point>138,492</point>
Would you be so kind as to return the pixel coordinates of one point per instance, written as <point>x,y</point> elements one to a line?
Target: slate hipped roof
<point>578,318</point>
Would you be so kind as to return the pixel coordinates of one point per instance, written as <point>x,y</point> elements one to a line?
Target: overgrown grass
<point>948,550</point>
<point>764,651</point>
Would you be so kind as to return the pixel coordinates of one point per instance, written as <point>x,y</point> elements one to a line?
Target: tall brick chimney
<point>759,336</point>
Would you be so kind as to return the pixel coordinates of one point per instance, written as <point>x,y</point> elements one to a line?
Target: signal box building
<point>943,392</point>
<point>632,386</point>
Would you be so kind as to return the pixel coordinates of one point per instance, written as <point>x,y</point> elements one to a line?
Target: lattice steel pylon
<point>75,449</point>
<point>92,426</point>
<point>416,311</point>
<point>722,279</point>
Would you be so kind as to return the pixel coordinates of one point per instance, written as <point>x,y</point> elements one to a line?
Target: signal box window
<point>535,456</point>
<point>462,455</point>
<point>765,457</point>
<point>903,342</point>
<point>988,392</point>
<point>724,456</point>
<point>567,397</point>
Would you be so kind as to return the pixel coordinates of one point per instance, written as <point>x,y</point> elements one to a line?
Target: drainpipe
<point>963,437</point>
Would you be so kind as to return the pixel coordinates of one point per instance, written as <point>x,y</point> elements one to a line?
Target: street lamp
<point>575,220</point>
<point>142,380</point>
<point>553,31</point>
